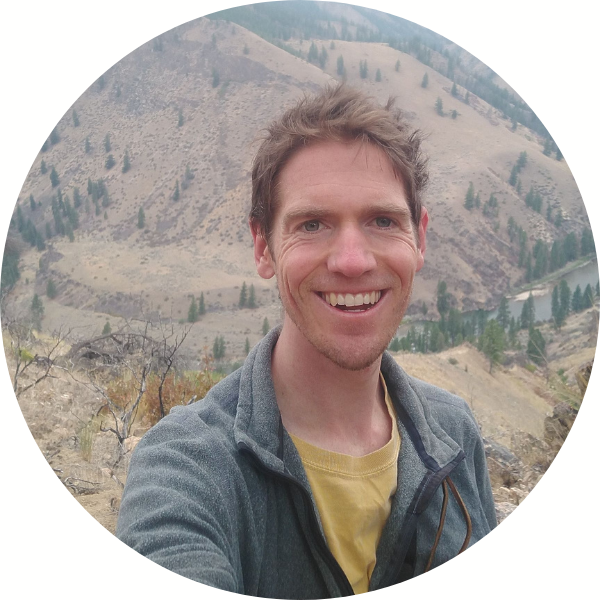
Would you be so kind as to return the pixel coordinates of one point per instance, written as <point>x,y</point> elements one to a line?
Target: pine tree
<point>75,119</point>
<point>378,75</point>
<point>107,145</point>
<point>536,347</point>
<point>470,197</point>
<point>363,69</point>
<point>126,162</point>
<point>443,299</point>
<point>243,301</point>
<point>588,297</point>
<point>493,342</point>
<point>425,81</point>
<point>503,317</point>
<point>247,347</point>
<point>176,193</point>
<point>87,146</point>
<point>37,312</point>
<point>528,313</point>
<point>54,137</point>
<point>246,49</point>
<point>215,78</point>
<point>577,300</point>
<point>106,329</point>
<point>110,162</point>
<point>512,180</point>
<point>454,91</point>
<point>193,311</point>
<point>397,66</point>
<point>43,167</point>
<point>439,107</point>
<point>265,326</point>
<point>201,307</point>
<point>180,117</point>
<point>219,347</point>
<point>565,296</point>
<point>558,315</point>
<point>313,53</point>
<point>54,179</point>
<point>141,218</point>
<point>323,57</point>
<point>340,66</point>
<point>252,297</point>
<point>51,289</point>
<point>76,197</point>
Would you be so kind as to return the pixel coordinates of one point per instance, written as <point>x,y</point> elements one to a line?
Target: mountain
<point>187,108</point>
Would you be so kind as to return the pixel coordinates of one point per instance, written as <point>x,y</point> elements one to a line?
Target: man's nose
<point>350,253</point>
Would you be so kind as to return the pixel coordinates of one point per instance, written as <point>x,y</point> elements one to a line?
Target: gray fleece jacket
<point>217,492</point>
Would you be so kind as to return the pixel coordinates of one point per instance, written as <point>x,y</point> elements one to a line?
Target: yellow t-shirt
<point>354,497</point>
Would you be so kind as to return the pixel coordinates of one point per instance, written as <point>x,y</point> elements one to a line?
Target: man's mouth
<point>352,302</point>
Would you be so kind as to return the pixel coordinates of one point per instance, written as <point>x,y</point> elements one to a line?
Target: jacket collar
<point>258,421</point>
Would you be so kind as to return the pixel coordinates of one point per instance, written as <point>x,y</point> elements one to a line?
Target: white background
<point>52,51</point>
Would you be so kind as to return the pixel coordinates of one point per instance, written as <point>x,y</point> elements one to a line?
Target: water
<point>587,273</point>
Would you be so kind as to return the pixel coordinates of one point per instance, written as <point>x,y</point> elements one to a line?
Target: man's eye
<point>383,222</point>
<point>311,226</point>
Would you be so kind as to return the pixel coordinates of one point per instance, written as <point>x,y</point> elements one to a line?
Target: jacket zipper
<point>324,551</point>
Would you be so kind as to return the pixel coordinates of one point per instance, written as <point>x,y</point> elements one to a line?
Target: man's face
<point>344,250</point>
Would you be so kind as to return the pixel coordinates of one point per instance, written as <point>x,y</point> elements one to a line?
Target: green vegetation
<point>243,301</point>
<point>126,162</point>
<point>219,347</point>
<point>141,218</point>
<point>425,81</point>
<point>51,291</point>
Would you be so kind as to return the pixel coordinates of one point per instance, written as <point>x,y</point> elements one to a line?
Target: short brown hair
<point>338,113</point>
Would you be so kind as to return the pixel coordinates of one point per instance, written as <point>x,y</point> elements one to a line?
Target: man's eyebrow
<point>305,214</point>
<point>317,212</point>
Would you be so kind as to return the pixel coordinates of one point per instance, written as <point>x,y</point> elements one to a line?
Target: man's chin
<point>351,359</point>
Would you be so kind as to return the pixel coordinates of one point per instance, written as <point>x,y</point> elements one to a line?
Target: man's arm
<point>179,508</point>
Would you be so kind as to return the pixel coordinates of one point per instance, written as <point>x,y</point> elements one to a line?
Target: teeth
<point>351,299</point>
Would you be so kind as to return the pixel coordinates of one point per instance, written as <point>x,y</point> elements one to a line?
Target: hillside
<point>163,105</point>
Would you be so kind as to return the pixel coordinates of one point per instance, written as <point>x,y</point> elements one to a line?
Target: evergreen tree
<point>548,147</point>
<point>528,313</point>
<point>467,97</point>
<point>87,146</point>
<point>90,186</point>
<point>110,162</point>
<point>493,342</point>
<point>265,326</point>
<point>219,347</point>
<point>340,66</point>
<point>176,193</point>
<point>522,160</point>
<point>75,119</point>
<point>454,91</point>
<point>454,114</point>
<point>397,66</point>
<point>43,167</point>
<point>54,137</point>
<point>215,78</point>
<point>32,203</point>
<point>37,312</point>
<point>378,75</point>
<point>107,145</point>
<point>323,57</point>
<point>252,297</point>
<point>76,197</point>
<point>470,197</point>
<point>395,345</point>
<point>571,247</point>
<point>439,107</point>
<point>443,298</point>
<point>141,218</point>
<point>424,308</point>
<point>126,162</point>
<point>588,297</point>
<point>51,289</point>
<point>425,81</point>
<point>243,301</point>
<point>54,179</point>
<point>536,347</point>
<point>106,329</point>
<point>247,347</point>
<point>503,317</point>
<point>193,311</point>
<point>363,69</point>
<point>201,307</point>
<point>313,53</point>
<point>577,300</point>
<point>587,242</point>
<point>512,180</point>
<point>180,117</point>
<point>565,296</point>
<point>558,314</point>
<point>558,219</point>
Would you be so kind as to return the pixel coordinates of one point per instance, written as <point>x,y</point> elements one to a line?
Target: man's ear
<point>421,233</point>
<point>265,265</point>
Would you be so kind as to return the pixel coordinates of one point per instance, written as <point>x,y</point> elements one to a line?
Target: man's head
<point>340,232</point>
<point>337,113</point>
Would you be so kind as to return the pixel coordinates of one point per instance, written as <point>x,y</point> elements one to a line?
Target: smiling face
<point>344,250</point>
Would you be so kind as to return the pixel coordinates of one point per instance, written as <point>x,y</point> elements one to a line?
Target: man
<point>320,469</point>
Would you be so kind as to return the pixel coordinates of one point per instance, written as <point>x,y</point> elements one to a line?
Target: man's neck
<point>324,404</point>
